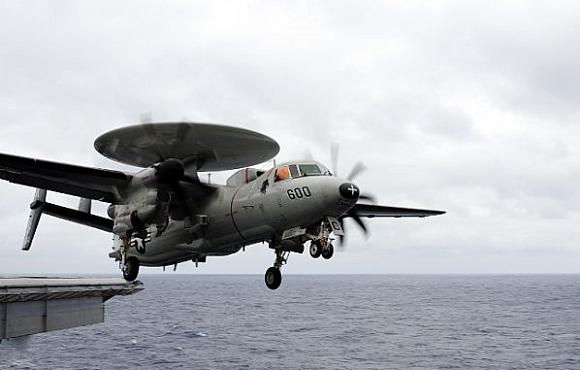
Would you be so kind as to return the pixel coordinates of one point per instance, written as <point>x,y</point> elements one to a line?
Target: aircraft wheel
<point>273,278</point>
<point>328,252</point>
<point>315,250</point>
<point>131,269</point>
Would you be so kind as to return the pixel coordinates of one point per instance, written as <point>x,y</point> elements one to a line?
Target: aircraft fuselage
<point>234,217</point>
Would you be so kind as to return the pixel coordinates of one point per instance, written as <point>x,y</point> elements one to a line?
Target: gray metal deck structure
<point>36,305</point>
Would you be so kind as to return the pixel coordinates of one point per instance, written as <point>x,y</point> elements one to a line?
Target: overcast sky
<point>469,107</point>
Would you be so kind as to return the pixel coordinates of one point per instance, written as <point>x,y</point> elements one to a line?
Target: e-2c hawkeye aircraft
<point>164,215</point>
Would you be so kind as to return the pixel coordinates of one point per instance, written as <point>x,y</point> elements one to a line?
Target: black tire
<point>328,252</point>
<point>131,269</point>
<point>315,250</point>
<point>273,278</point>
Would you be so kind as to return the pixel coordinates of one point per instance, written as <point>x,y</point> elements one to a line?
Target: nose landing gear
<point>273,278</point>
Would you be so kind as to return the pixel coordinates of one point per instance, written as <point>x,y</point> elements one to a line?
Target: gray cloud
<point>462,106</point>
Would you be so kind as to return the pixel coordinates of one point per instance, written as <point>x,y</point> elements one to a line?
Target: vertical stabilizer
<point>35,213</point>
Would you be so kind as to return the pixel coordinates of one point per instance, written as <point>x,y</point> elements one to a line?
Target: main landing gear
<point>129,265</point>
<point>130,269</point>
<point>318,248</point>
<point>273,275</point>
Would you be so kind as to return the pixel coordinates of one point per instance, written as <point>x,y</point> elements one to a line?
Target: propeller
<point>186,187</point>
<point>172,171</point>
<point>358,168</point>
<point>169,169</point>
<point>159,142</point>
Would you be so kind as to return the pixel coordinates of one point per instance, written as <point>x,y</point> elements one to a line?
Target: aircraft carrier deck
<point>36,305</point>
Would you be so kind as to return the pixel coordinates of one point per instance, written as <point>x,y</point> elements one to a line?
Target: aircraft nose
<point>349,190</point>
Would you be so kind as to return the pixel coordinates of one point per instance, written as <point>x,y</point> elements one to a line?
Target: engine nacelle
<point>150,206</point>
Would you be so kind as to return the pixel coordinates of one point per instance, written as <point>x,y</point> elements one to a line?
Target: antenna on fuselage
<point>209,178</point>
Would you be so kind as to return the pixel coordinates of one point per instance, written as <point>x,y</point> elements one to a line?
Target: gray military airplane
<point>164,215</point>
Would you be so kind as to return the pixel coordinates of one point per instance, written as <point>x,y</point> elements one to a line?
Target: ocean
<point>323,322</point>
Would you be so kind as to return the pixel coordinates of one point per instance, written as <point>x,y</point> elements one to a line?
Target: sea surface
<point>324,322</point>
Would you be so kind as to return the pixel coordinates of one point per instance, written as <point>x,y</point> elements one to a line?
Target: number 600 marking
<point>298,193</point>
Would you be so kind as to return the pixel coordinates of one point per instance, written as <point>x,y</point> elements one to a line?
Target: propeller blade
<point>362,225</point>
<point>181,133</point>
<point>178,207</point>
<point>153,137</point>
<point>356,170</point>
<point>334,158</point>
<point>185,197</point>
<point>359,222</point>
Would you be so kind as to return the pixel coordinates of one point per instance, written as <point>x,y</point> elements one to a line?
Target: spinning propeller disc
<point>213,147</point>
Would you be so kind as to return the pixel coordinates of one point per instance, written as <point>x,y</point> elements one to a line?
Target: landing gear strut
<point>273,277</point>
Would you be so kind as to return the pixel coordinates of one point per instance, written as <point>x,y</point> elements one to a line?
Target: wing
<point>85,182</point>
<point>371,210</point>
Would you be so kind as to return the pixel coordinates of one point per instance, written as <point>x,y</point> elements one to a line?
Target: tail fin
<point>35,212</point>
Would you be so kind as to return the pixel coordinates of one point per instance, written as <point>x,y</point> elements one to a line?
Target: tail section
<point>81,216</point>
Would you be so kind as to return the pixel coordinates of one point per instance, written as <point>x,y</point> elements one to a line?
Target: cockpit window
<point>282,173</point>
<point>309,170</point>
<point>294,171</point>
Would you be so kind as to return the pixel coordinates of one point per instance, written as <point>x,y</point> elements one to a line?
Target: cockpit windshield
<point>308,169</point>
<point>294,171</point>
